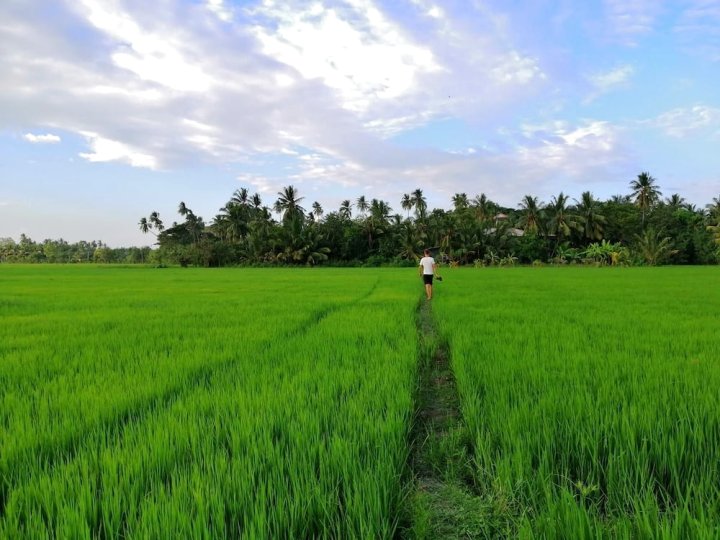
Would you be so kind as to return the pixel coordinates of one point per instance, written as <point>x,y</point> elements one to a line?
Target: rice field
<point>278,403</point>
<point>591,398</point>
<point>172,403</point>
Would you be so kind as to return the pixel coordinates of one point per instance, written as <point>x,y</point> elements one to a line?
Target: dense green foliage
<point>172,403</point>
<point>639,228</point>
<point>590,397</point>
<point>26,250</point>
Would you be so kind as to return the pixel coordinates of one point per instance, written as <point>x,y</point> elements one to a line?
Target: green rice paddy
<point>278,403</point>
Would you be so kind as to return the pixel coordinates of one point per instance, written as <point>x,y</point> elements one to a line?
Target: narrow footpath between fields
<point>441,503</point>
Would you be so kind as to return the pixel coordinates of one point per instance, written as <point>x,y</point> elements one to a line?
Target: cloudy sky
<point>110,109</point>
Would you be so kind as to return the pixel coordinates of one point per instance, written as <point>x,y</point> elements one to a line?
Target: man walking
<point>427,271</point>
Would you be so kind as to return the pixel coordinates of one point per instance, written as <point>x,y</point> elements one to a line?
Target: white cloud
<point>560,148</point>
<point>354,50</point>
<point>630,20</point>
<point>261,184</point>
<point>516,69</point>
<point>46,138</point>
<point>153,55</point>
<point>682,122</point>
<point>220,9</point>
<point>605,81</point>
<point>108,150</point>
<point>171,86</point>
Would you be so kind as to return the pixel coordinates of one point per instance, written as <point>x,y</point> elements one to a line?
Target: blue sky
<point>110,109</point>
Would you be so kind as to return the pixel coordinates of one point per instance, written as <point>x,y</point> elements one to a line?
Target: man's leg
<point>428,290</point>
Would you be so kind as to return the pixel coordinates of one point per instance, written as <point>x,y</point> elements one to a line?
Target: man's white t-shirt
<point>427,264</point>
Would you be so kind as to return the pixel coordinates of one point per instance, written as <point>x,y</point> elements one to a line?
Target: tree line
<point>26,250</point>
<point>640,227</point>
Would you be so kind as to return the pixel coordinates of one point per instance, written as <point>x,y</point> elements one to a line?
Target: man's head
<point>427,252</point>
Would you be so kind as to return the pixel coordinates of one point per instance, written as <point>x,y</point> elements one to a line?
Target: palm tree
<point>713,219</point>
<point>410,239</point>
<point>652,247</point>
<point>288,204</point>
<point>460,201</point>
<point>591,221</point>
<point>317,210</point>
<point>675,201</point>
<point>621,199</point>
<point>380,210</point>
<point>645,192</point>
<point>256,201</point>
<point>484,207</point>
<point>530,221</point>
<point>240,196</point>
<point>419,203</point>
<point>232,223</point>
<point>362,205</point>
<point>345,209</point>
<point>183,210</point>
<point>406,203</point>
<point>194,224</point>
<point>561,221</point>
<point>154,222</point>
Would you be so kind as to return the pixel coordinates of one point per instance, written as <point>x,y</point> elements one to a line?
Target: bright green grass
<point>147,403</point>
<point>178,403</point>
<point>591,396</point>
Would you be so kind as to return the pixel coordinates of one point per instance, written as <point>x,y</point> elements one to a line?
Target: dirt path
<point>441,504</point>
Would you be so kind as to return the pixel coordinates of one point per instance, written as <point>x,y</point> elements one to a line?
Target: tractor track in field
<point>298,331</point>
<point>114,426</point>
<point>441,503</point>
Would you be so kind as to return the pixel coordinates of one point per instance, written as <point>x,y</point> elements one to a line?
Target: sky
<point>112,109</point>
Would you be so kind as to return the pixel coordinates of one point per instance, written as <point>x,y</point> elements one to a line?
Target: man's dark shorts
<point>427,278</point>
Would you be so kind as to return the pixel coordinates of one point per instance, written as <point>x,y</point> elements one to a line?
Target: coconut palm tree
<point>153,222</point>
<point>345,210</point>
<point>588,214</point>
<point>483,207</point>
<point>288,204</point>
<point>376,222</point>
<point>531,218</point>
<point>406,203</point>
<point>410,239</point>
<point>317,210</point>
<point>621,199</point>
<point>675,201</point>
<point>419,203</point>
<point>561,221</point>
<point>183,210</point>
<point>240,196</point>
<point>460,201</point>
<point>232,222</point>
<point>362,205</point>
<point>646,193</point>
